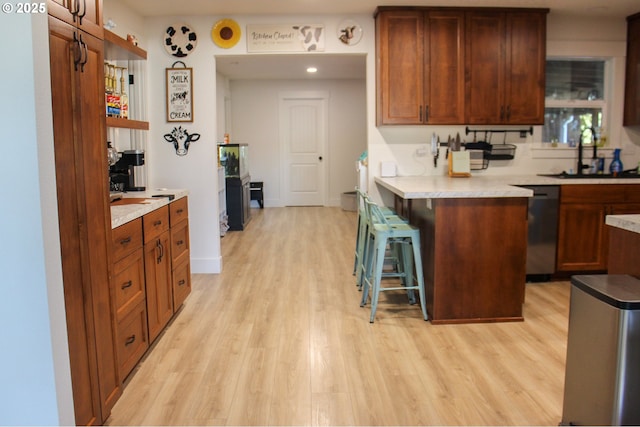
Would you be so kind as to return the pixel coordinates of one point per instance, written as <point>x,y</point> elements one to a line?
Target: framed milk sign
<point>179,94</point>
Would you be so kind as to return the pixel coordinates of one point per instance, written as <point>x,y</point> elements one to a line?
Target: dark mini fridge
<point>602,378</point>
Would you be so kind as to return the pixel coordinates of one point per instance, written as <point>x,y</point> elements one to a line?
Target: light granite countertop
<point>441,187</point>
<point>625,222</point>
<point>121,214</point>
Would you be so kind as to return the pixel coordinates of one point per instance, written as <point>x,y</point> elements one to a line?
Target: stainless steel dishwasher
<point>543,231</point>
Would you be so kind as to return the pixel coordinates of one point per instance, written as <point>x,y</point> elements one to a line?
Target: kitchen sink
<point>564,175</point>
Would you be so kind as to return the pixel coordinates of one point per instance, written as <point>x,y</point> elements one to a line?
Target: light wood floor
<point>279,338</point>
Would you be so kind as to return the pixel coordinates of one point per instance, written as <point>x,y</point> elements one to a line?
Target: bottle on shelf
<point>111,91</point>
<point>124,98</point>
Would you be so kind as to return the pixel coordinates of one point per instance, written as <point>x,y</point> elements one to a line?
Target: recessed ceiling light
<point>312,70</point>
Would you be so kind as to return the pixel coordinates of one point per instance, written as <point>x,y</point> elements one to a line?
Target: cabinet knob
<point>130,340</point>
<point>320,158</point>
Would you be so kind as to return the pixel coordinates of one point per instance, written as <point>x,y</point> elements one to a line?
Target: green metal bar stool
<point>362,244</point>
<point>381,234</point>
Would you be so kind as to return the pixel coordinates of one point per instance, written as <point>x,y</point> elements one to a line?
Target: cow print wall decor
<point>180,40</point>
<point>181,140</point>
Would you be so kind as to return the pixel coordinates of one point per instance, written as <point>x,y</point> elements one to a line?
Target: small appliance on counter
<point>128,173</point>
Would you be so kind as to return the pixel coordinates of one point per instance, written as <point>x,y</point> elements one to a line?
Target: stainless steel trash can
<point>602,377</point>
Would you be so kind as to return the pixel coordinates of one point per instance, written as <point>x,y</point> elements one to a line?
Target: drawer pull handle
<point>160,249</point>
<point>125,241</point>
<point>157,223</point>
<point>181,282</point>
<point>126,285</point>
<point>179,211</point>
<point>130,340</point>
<point>180,242</point>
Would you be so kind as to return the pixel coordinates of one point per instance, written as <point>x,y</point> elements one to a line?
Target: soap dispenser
<point>616,164</point>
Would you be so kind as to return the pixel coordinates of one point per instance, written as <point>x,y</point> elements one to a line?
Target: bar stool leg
<point>417,257</point>
<point>375,286</point>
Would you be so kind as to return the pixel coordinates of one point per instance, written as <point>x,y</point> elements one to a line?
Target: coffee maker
<point>128,173</point>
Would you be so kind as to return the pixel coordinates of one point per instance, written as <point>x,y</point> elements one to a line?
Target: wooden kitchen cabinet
<point>505,66</point>
<point>460,65</point>
<point>583,237</point>
<point>180,264</point>
<point>129,292</point>
<point>420,66</point>
<point>83,14</point>
<point>474,257</point>
<point>77,92</point>
<point>632,81</point>
<point>157,264</point>
<point>152,278</point>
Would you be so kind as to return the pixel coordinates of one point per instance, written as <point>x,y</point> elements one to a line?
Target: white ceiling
<point>340,66</point>
<point>346,7</point>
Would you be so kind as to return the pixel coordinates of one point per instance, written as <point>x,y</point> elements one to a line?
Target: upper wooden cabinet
<point>457,66</point>
<point>632,81</point>
<point>83,14</point>
<point>505,67</point>
<point>420,68</point>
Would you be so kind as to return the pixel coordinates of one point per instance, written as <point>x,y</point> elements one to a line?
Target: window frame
<point>603,104</point>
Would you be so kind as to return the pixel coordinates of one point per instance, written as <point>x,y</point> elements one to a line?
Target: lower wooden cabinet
<point>180,266</point>
<point>132,341</point>
<point>583,237</point>
<point>151,279</point>
<point>181,283</point>
<point>157,264</point>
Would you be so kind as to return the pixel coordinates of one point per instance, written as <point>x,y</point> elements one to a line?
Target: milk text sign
<point>285,38</point>
<point>179,95</point>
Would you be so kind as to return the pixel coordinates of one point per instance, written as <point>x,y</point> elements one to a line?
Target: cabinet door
<point>525,68</point>
<point>400,67</point>
<point>582,239</point>
<point>444,68</point>
<point>76,66</point>
<point>181,283</point>
<point>157,265</point>
<point>485,67</point>
<point>83,14</point>
<point>632,80</point>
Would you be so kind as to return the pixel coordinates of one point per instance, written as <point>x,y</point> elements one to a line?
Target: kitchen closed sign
<point>285,38</point>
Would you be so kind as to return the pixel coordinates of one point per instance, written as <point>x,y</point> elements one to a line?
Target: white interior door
<point>303,138</point>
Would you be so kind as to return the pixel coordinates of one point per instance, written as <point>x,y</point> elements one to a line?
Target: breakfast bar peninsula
<point>474,244</point>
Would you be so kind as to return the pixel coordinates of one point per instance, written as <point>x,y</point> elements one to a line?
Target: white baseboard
<point>206,265</point>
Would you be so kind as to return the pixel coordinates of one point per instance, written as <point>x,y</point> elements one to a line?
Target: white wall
<point>255,121</point>
<point>197,170</point>
<point>34,361</point>
<point>565,35</point>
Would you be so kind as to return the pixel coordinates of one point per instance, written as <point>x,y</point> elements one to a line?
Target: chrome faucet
<point>581,165</point>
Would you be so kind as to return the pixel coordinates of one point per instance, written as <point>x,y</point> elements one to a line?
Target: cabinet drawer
<point>128,283</point>
<point>179,242</point>
<point>155,223</point>
<point>593,193</point>
<point>132,339</point>
<point>126,239</point>
<point>181,284</point>
<point>178,211</point>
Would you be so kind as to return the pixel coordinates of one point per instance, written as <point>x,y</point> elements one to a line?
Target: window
<point>575,100</point>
